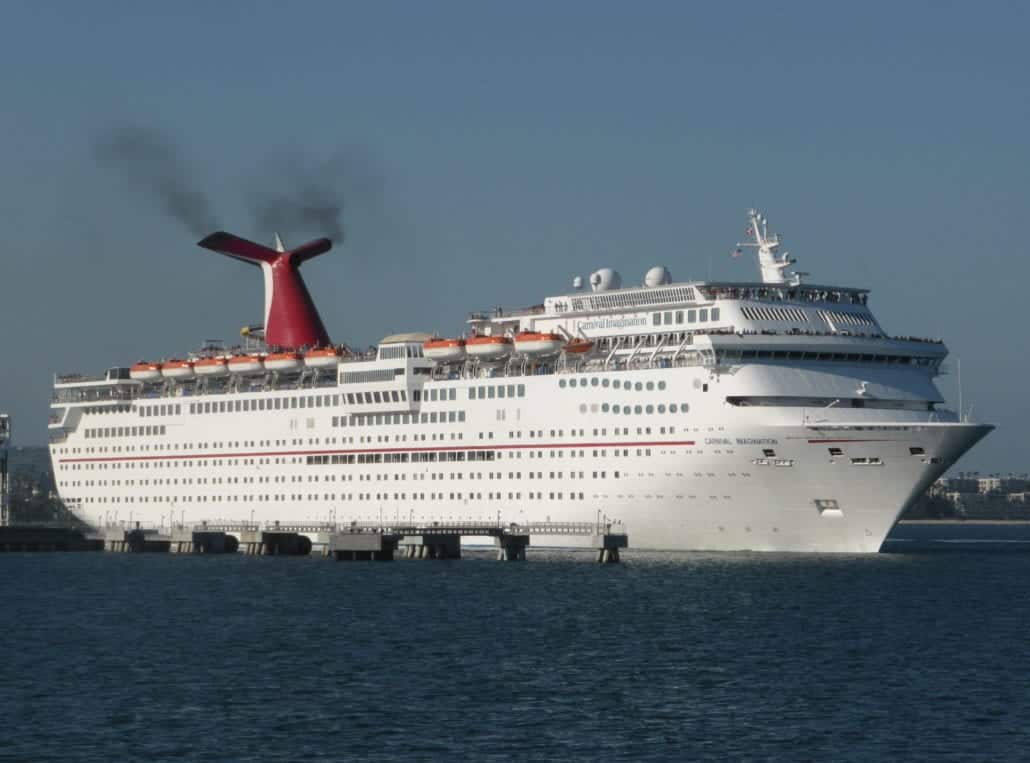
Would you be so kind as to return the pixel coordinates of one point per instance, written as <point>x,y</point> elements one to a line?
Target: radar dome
<point>605,279</point>
<point>659,275</point>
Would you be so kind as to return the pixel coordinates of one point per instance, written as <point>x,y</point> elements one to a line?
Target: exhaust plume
<point>151,163</point>
<point>299,196</point>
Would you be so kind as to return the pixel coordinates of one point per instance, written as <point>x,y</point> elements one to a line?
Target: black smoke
<point>299,196</point>
<point>290,192</point>
<point>151,163</point>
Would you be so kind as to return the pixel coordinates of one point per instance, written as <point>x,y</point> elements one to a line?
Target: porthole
<point>561,383</point>
<point>616,383</point>
<point>604,407</point>
<point>582,407</point>
<point>605,382</point>
<point>650,386</point>
<point>661,409</point>
<point>616,408</point>
<point>639,386</point>
<point>572,382</point>
<point>626,410</point>
<point>672,408</point>
<point>594,382</point>
<point>661,385</point>
<point>638,409</point>
<point>684,408</point>
<point>650,409</point>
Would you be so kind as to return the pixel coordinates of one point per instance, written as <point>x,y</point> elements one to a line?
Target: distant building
<point>988,484</point>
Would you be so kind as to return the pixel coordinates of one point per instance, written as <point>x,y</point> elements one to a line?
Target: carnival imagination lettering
<point>611,323</point>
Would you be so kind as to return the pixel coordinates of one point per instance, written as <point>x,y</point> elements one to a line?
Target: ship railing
<point>74,378</point>
<point>479,316</point>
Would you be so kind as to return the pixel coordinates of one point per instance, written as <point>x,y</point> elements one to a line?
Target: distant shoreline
<point>958,521</point>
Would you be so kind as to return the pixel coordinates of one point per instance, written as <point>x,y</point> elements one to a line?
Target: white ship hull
<point>676,481</point>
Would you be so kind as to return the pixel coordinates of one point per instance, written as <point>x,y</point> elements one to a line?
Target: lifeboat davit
<point>246,364</point>
<point>327,357</point>
<point>284,361</point>
<point>444,350</point>
<point>144,371</point>
<point>210,367</point>
<point>538,344</point>
<point>488,347</point>
<point>579,346</point>
<point>177,369</point>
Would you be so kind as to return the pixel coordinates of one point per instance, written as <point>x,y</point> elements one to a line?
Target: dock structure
<point>442,540</point>
<point>46,538</point>
<point>363,546</point>
<point>5,436</point>
<point>351,542</point>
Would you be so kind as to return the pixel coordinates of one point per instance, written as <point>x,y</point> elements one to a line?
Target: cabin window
<point>702,315</point>
<point>656,319</point>
<point>679,316</point>
<point>715,313</point>
<point>836,452</point>
<point>691,316</point>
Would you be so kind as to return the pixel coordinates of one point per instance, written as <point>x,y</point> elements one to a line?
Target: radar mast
<point>773,266</point>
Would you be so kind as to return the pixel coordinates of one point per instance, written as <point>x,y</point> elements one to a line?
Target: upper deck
<point>717,324</point>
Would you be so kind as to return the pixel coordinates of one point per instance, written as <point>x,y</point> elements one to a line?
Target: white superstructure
<point>771,415</point>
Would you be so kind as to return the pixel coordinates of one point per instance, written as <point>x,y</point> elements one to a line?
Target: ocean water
<point>687,656</point>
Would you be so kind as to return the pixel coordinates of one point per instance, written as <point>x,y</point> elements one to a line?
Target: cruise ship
<point>766,415</point>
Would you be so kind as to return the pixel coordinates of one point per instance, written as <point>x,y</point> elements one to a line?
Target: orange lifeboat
<point>324,357</point>
<point>579,346</point>
<point>488,347</point>
<point>145,371</point>
<point>444,350</point>
<point>210,367</point>
<point>284,361</point>
<point>537,344</point>
<point>246,364</point>
<point>177,369</point>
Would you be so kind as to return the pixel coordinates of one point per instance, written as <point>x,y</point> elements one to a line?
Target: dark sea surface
<point>664,657</point>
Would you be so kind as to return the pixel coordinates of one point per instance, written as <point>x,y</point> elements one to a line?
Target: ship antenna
<point>772,266</point>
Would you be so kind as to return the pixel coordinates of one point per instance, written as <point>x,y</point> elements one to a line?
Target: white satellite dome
<point>659,275</point>
<point>605,279</point>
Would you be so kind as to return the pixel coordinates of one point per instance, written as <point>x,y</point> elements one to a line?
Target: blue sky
<point>494,151</point>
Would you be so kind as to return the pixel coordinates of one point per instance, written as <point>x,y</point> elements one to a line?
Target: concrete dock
<point>351,542</point>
